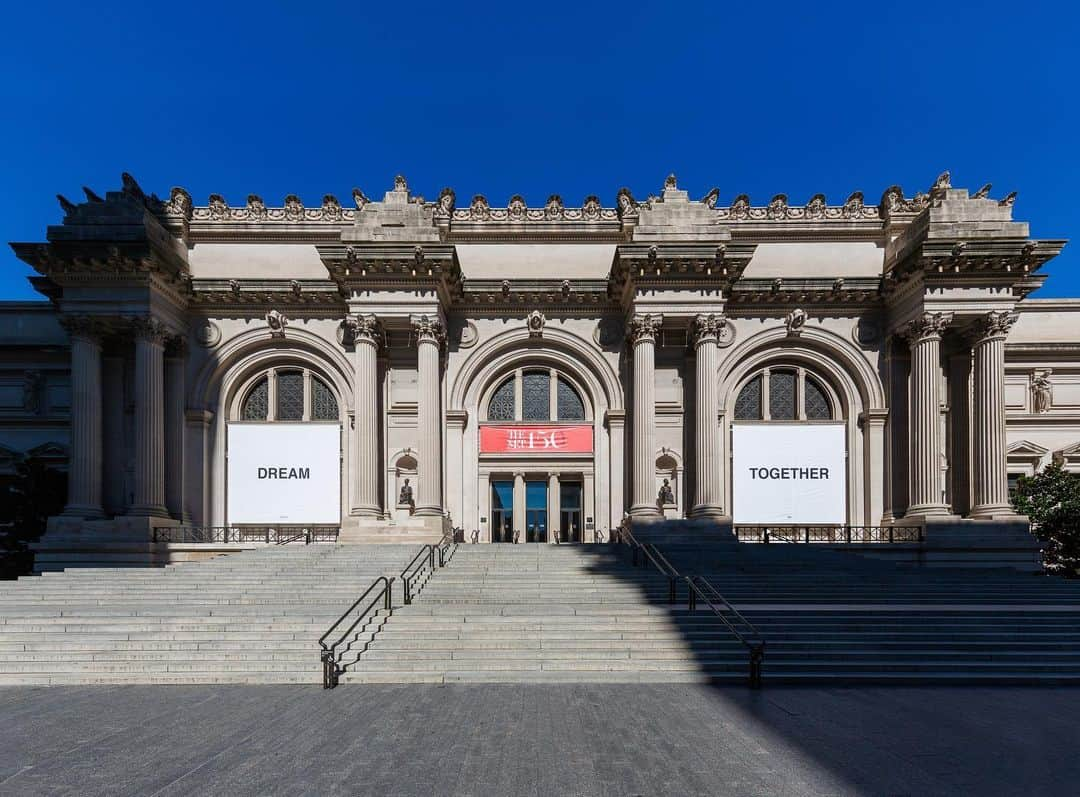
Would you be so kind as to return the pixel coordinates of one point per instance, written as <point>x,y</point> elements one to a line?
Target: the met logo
<point>284,473</point>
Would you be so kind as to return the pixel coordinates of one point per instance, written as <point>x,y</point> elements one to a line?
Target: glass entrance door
<point>536,519</point>
<point>502,511</point>
<point>570,511</point>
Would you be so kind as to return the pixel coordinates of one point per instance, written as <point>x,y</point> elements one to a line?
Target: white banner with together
<point>288,474</point>
<point>789,474</point>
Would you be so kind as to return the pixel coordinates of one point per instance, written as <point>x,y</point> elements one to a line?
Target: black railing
<point>270,535</point>
<point>331,667</point>
<point>830,534</point>
<point>447,546</point>
<point>415,569</point>
<point>699,588</point>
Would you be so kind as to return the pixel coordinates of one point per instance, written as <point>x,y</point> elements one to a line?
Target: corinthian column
<point>924,339</point>
<point>707,501</point>
<point>991,477</point>
<point>175,362</point>
<point>365,333</point>
<point>643,329</point>
<point>429,335</point>
<point>84,469</point>
<point>150,337</point>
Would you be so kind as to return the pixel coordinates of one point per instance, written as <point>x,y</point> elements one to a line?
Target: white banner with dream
<point>288,474</point>
<point>786,474</point>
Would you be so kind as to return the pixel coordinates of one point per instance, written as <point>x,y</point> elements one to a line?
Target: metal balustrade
<point>270,535</point>
<point>830,534</point>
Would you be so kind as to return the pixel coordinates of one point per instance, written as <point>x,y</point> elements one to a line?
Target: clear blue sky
<point>575,99</point>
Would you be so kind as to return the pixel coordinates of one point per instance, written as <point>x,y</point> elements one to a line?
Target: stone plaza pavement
<point>537,740</point>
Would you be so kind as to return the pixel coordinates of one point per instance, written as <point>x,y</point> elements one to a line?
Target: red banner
<point>536,439</point>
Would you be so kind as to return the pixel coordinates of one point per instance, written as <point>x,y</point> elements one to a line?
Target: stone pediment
<point>1025,448</point>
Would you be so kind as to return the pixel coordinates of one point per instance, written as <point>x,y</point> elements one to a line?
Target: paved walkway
<point>537,740</point>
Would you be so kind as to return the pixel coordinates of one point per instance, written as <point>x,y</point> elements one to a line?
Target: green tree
<point>1051,499</point>
<point>26,503</point>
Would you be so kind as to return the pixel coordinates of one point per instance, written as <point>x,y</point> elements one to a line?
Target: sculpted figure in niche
<point>1042,394</point>
<point>666,496</point>
<point>405,497</point>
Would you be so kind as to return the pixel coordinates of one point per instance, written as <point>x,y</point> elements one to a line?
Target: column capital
<point>87,327</point>
<point>644,327</point>
<point>707,328</point>
<point>928,326</point>
<point>428,329</point>
<point>176,347</point>
<point>995,325</point>
<point>363,328</point>
<point>150,330</point>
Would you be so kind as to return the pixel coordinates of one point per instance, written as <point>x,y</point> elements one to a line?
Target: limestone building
<point>391,367</point>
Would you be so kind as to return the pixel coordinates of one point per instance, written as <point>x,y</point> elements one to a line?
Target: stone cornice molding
<point>928,326</point>
<point>643,327</point>
<point>995,325</point>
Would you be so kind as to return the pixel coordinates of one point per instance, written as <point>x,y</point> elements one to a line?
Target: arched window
<point>289,394</point>
<point>534,395</point>
<point>784,394</point>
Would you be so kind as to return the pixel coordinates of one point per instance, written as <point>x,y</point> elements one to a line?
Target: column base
<point>84,511</point>
<point>708,512</point>
<point>996,512</point>
<point>149,511</point>
<point>646,512</point>
<point>428,511</point>
<point>367,511</point>
<point>929,511</point>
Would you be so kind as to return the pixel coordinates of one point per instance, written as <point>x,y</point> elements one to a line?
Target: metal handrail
<point>447,546</point>
<point>698,587</point>
<point>416,565</point>
<point>701,587</point>
<point>331,670</point>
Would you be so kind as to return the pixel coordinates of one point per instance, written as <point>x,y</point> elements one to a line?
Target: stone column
<point>924,339</point>
<point>84,468</point>
<point>429,335</point>
<point>518,523</point>
<point>616,424</point>
<point>150,337</point>
<point>175,401</point>
<point>113,436</point>
<point>553,506</point>
<point>989,464</point>
<point>366,335</point>
<point>643,329</point>
<point>708,501</point>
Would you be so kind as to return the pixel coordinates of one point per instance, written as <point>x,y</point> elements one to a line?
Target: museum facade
<point>392,368</point>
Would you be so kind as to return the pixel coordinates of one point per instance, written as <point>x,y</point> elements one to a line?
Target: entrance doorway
<point>536,519</point>
<point>502,511</point>
<point>570,494</point>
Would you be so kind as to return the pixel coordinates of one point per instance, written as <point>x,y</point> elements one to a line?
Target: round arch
<point>583,365</point>
<point>853,381</point>
<point>220,383</point>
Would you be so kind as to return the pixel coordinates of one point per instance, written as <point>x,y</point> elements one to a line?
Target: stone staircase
<point>540,613</point>
<point>250,617</point>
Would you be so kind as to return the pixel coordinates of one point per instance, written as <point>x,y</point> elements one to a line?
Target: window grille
<point>782,395</point>
<point>817,403</point>
<point>571,407</point>
<point>536,396</point>
<point>257,402</point>
<point>748,404</point>
<point>324,406</point>
<point>501,407</point>
<point>290,396</point>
